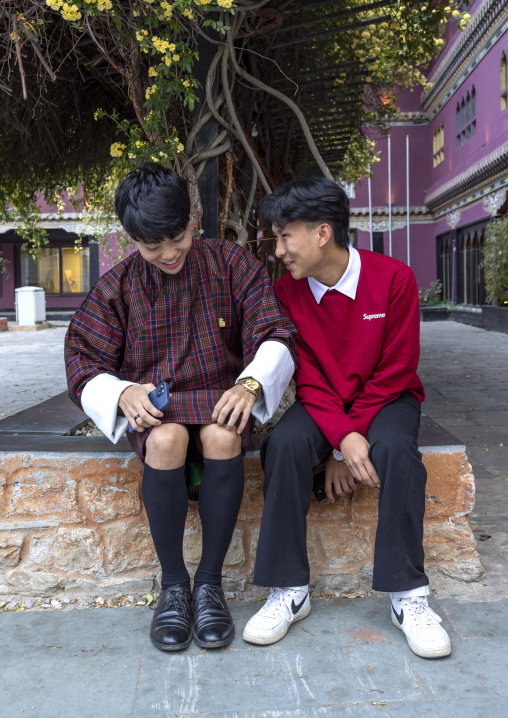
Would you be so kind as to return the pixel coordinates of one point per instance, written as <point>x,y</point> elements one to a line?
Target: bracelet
<point>337,455</point>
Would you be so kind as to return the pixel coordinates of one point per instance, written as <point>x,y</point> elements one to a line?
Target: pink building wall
<point>491,134</point>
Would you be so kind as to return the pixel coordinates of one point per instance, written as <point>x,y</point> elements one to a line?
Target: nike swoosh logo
<point>295,608</point>
<point>400,617</point>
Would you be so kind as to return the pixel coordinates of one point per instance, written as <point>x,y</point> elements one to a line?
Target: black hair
<point>153,203</point>
<point>313,200</point>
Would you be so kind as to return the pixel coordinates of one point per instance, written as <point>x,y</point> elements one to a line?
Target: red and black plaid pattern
<point>197,330</point>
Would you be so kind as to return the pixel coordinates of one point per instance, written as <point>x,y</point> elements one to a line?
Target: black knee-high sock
<point>166,502</point>
<point>220,496</point>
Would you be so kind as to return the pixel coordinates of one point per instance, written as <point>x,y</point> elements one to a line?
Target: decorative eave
<point>488,194</point>
<point>360,218</point>
<point>487,26</point>
<point>483,171</point>
<point>74,222</point>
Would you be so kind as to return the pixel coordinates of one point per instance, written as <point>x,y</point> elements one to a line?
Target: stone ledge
<point>89,534</point>
<point>73,521</point>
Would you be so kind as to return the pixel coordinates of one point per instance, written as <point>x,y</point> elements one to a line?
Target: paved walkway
<point>33,368</point>
<point>346,658</point>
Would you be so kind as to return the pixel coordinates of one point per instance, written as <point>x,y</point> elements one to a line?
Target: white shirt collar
<point>347,284</point>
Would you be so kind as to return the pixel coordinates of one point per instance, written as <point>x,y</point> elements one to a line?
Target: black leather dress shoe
<point>171,628</point>
<point>213,625</point>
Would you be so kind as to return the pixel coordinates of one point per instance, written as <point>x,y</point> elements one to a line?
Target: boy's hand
<point>338,477</point>
<point>233,402</point>
<point>355,450</point>
<point>134,401</point>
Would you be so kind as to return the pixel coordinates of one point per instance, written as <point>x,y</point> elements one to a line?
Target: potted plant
<point>432,308</point>
<point>495,262</point>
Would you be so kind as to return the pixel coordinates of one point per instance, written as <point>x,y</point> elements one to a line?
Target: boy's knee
<point>219,443</point>
<point>168,438</point>
<point>286,441</point>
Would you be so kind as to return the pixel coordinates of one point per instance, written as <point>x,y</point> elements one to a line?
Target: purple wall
<point>491,122</point>
<point>491,133</point>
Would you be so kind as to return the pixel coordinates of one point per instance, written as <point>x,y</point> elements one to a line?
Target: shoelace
<point>423,613</point>
<point>275,601</point>
<point>172,599</point>
<point>212,594</point>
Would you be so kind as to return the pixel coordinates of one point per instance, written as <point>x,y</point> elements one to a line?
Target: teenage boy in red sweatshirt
<point>357,410</point>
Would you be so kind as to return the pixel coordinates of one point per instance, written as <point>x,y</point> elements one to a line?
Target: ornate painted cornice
<point>396,210</point>
<point>68,221</point>
<point>488,24</point>
<point>482,171</point>
<point>380,222</point>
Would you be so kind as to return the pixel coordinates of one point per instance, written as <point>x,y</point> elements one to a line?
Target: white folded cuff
<point>273,368</point>
<point>100,402</point>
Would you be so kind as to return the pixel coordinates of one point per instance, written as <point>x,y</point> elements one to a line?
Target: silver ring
<point>136,418</point>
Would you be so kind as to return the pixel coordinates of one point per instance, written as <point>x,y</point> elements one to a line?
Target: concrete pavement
<point>346,658</point>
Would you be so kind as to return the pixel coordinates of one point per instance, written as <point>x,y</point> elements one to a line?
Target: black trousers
<point>289,455</point>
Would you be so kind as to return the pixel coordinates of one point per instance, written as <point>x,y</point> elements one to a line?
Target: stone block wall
<point>73,524</point>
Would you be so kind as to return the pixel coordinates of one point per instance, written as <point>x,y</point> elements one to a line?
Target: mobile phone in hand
<point>159,398</point>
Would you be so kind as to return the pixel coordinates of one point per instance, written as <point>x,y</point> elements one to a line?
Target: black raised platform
<point>46,428</point>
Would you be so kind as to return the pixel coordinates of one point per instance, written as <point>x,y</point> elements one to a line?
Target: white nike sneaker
<point>283,607</point>
<point>421,626</point>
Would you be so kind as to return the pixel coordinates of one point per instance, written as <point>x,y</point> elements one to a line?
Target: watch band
<point>251,385</point>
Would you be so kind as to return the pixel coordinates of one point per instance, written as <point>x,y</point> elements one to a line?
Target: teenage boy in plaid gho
<point>357,410</point>
<point>201,315</point>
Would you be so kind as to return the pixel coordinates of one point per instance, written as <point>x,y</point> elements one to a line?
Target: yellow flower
<point>131,155</point>
<point>180,147</point>
<point>466,16</point>
<point>447,8</point>
<point>135,13</point>
<point>188,13</point>
<point>104,4</point>
<point>154,158</point>
<point>167,60</point>
<point>70,12</point>
<point>116,149</point>
<point>152,72</point>
<point>366,35</point>
<point>185,83</point>
<point>162,154</point>
<point>168,10</point>
<point>139,36</point>
<point>54,4</point>
<point>455,13</point>
<point>172,47</point>
<point>225,3</point>
<point>176,58</point>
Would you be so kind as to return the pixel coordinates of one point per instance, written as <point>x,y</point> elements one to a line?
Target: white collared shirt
<point>347,284</point>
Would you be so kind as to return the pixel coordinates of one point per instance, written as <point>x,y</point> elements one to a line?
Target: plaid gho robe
<point>197,330</point>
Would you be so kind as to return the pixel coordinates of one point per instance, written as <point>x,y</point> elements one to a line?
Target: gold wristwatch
<point>253,386</point>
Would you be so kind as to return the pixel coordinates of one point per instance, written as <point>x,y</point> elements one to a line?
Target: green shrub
<point>431,297</point>
<point>495,261</point>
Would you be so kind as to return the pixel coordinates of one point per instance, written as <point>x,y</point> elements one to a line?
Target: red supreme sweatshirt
<point>363,350</point>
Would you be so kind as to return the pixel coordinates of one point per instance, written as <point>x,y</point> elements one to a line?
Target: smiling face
<point>300,246</point>
<point>168,255</point>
